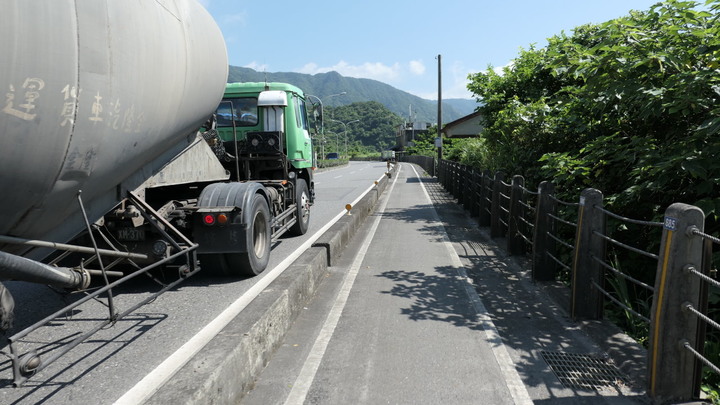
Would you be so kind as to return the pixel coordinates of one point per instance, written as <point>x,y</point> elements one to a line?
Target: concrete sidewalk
<point>431,311</point>
<point>559,361</point>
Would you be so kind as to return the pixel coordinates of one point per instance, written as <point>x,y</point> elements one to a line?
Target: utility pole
<point>439,109</point>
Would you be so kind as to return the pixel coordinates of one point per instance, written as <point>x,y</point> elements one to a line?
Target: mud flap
<point>7,309</point>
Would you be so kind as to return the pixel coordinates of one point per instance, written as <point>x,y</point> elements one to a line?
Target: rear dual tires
<point>257,240</point>
<point>256,255</point>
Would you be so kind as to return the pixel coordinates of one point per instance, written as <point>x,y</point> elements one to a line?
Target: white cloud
<point>454,83</point>
<point>368,70</point>
<point>401,76</point>
<point>459,81</point>
<point>500,70</point>
<point>311,69</point>
<point>257,66</point>
<point>417,67</point>
<point>458,89</point>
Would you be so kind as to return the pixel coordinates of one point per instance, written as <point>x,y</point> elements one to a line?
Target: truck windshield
<point>245,110</point>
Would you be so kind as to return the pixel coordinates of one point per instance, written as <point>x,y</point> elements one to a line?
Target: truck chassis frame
<point>28,362</point>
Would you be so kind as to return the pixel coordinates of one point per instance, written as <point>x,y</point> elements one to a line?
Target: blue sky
<point>397,41</point>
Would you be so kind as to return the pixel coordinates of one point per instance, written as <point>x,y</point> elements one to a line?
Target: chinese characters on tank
<point>23,99</point>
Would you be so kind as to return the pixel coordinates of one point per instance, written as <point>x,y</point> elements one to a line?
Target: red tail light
<point>209,219</point>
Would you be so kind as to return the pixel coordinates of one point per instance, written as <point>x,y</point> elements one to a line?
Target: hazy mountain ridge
<point>359,90</point>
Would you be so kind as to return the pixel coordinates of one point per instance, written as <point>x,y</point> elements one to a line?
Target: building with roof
<point>468,126</point>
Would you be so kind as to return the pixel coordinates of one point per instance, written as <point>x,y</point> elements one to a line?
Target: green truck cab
<point>262,136</point>
<point>267,108</point>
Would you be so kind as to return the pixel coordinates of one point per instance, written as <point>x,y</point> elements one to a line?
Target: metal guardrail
<point>538,224</point>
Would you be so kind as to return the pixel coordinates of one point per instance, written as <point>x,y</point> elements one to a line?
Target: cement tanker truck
<point>122,153</point>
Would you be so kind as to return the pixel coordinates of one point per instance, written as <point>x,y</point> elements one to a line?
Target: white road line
<point>507,366</point>
<point>152,382</point>
<point>307,375</point>
<point>337,177</point>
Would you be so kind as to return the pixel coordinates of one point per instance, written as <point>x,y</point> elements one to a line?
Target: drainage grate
<point>583,371</point>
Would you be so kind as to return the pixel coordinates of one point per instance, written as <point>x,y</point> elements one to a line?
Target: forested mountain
<point>369,126</point>
<point>359,90</point>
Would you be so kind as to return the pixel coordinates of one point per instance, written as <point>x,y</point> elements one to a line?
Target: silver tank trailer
<point>96,95</point>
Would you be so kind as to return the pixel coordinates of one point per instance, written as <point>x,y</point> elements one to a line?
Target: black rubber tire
<point>302,196</point>
<point>257,239</point>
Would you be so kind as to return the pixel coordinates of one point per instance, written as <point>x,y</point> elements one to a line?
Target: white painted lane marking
<point>307,375</point>
<point>507,366</point>
<point>152,382</point>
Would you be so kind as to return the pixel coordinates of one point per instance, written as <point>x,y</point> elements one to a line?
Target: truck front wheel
<point>302,211</point>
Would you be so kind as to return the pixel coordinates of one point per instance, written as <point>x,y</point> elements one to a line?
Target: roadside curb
<point>226,368</point>
<point>337,237</point>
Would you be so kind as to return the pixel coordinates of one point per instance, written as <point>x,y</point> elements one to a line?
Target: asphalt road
<point>102,369</point>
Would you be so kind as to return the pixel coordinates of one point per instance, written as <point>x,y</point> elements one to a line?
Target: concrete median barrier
<point>337,237</point>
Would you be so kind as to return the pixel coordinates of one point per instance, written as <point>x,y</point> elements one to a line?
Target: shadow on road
<point>92,354</point>
<point>528,321</point>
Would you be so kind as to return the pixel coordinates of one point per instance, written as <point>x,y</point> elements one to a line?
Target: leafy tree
<point>629,106</point>
<point>424,143</point>
<point>375,129</point>
<point>469,151</point>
